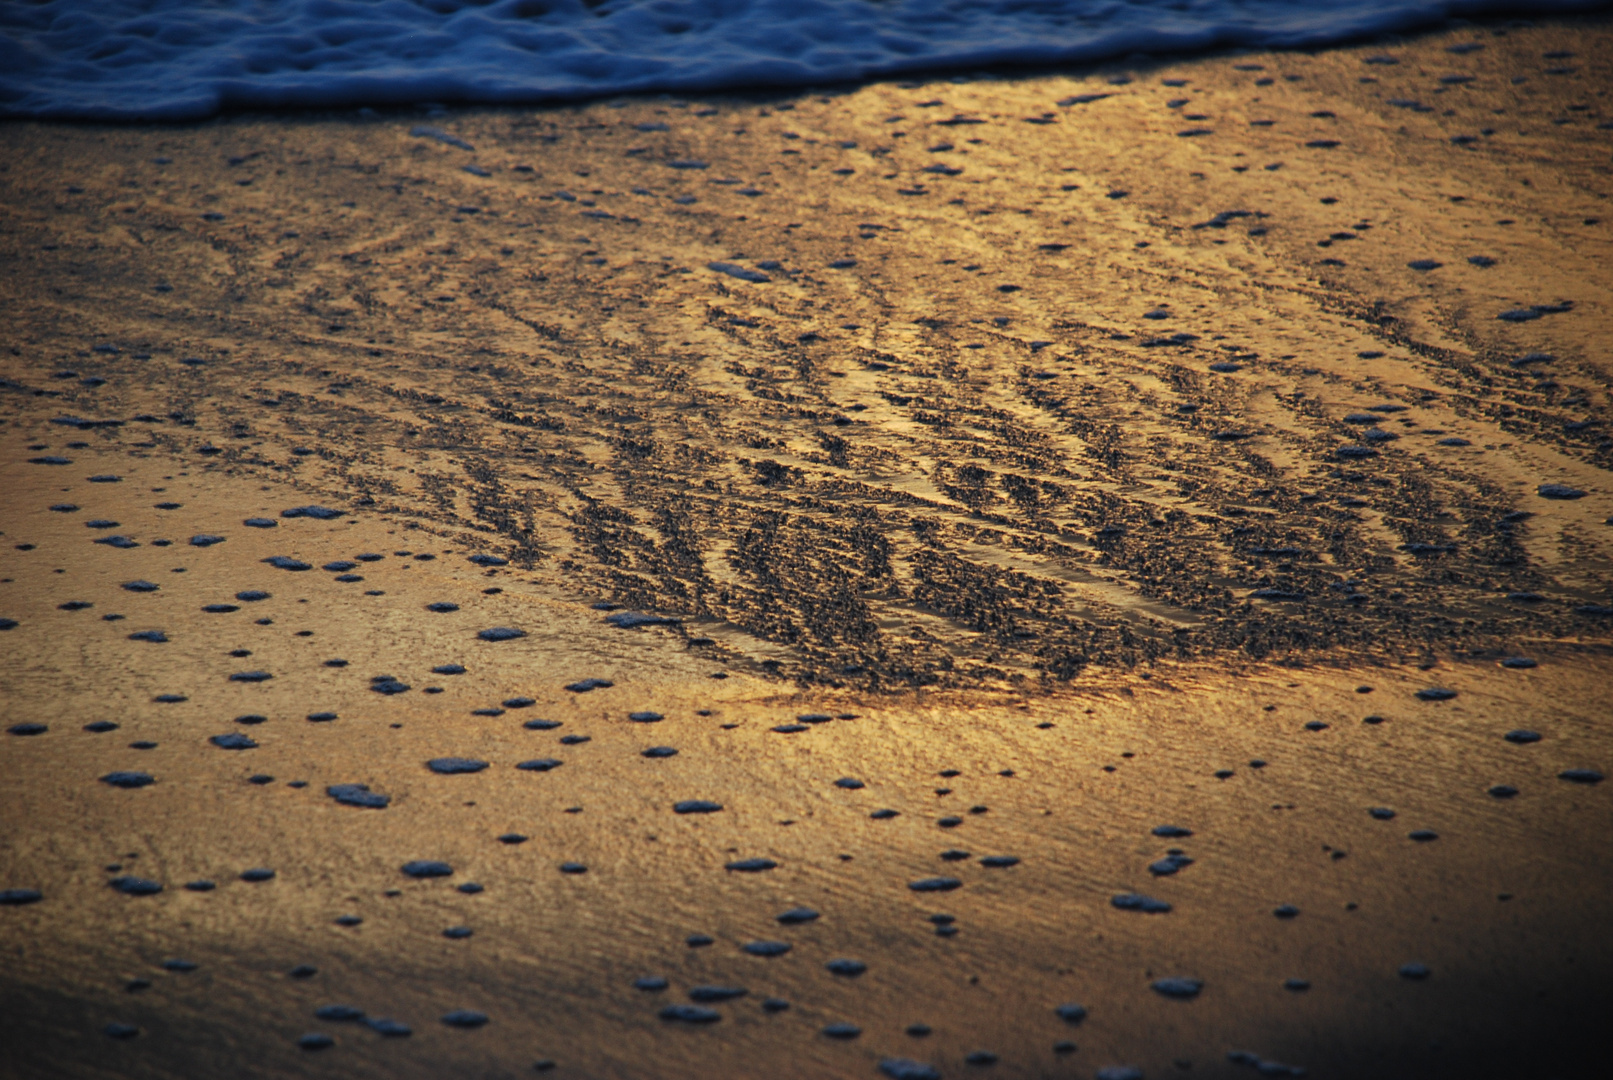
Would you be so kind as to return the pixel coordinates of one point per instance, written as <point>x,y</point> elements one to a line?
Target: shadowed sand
<point>1055,444</point>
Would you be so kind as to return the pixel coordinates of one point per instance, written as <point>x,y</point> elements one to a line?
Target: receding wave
<point>187,59</point>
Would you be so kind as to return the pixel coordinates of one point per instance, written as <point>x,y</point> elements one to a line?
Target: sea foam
<point>187,59</point>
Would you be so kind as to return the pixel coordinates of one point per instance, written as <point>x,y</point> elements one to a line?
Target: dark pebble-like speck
<point>358,795</point>
<point>1559,491</point>
<point>583,686</point>
<point>690,1014</point>
<point>1139,902</point>
<point>750,865</point>
<point>1177,986</point>
<point>501,633</point>
<point>339,1013</point>
<point>453,765</point>
<point>934,884</point>
<point>766,948</point>
<point>1169,865</point>
<point>908,1069</point>
<point>135,886</point>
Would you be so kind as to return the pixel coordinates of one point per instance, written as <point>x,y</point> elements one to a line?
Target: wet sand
<point>1078,448</point>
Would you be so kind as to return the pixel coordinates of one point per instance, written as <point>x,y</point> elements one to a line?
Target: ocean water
<point>187,59</point>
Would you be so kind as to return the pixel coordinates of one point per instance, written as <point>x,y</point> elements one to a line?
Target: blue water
<point>186,59</point>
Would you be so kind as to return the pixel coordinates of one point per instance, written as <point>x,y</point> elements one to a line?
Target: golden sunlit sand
<point>1096,482</point>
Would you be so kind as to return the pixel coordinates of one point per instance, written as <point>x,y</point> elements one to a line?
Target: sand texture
<point>1158,486</point>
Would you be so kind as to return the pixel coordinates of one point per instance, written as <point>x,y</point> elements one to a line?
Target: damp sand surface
<point>1103,540</point>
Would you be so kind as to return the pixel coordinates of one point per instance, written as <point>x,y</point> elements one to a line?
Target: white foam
<point>186,59</point>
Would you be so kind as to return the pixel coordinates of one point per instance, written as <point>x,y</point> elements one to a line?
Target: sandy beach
<point>1008,575</point>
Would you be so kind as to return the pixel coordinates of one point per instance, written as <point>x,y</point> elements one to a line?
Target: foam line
<point>188,59</point>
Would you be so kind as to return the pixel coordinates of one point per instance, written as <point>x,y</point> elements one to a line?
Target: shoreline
<point>951,470</point>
